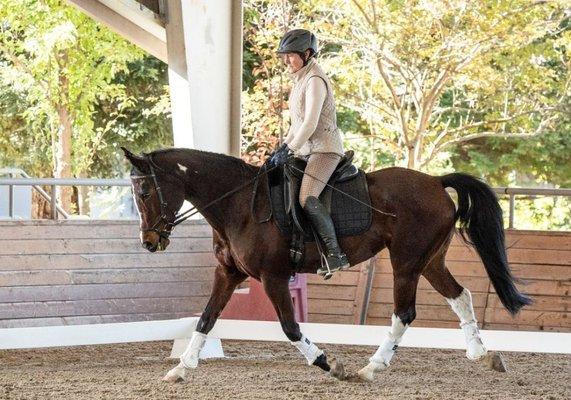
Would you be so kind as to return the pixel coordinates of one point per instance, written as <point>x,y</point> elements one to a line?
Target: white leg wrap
<point>189,358</point>
<point>462,306</point>
<point>382,358</point>
<point>387,349</point>
<point>308,349</point>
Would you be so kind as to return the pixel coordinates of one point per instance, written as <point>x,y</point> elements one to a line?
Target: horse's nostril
<point>147,245</point>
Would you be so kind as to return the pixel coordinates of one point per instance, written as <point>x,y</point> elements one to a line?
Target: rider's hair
<point>302,56</point>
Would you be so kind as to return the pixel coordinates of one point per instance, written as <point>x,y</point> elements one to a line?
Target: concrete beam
<point>138,27</point>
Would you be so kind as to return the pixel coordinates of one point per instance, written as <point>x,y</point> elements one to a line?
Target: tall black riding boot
<point>321,222</point>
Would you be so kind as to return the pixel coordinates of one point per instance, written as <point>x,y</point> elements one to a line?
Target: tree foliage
<point>418,81</point>
<point>72,90</point>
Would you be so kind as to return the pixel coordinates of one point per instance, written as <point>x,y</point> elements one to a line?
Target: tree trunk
<point>40,207</point>
<point>63,157</point>
<point>83,197</point>
<point>411,158</point>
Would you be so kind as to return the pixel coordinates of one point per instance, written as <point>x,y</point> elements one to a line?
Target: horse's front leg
<point>277,290</point>
<point>225,281</point>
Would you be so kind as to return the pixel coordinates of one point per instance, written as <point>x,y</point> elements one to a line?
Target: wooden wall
<point>77,272</point>
<point>543,259</point>
<point>72,272</point>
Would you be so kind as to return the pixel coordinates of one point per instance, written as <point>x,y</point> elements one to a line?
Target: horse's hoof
<point>337,369</point>
<point>494,361</point>
<point>177,374</point>
<point>367,373</point>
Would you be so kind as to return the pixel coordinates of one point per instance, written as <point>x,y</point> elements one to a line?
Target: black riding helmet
<point>298,41</point>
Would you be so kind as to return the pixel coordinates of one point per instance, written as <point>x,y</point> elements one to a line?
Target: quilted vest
<point>326,138</point>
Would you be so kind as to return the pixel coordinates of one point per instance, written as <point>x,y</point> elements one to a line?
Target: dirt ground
<point>266,370</point>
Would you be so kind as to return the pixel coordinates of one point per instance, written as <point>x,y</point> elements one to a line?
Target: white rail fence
<point>180,331</point>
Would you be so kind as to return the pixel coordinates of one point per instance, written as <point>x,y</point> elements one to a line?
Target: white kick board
<point>373,335</point>
<point>76,335</point>
<point>93,334</point>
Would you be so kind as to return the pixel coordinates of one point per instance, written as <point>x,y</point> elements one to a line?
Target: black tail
<point>481,216</point>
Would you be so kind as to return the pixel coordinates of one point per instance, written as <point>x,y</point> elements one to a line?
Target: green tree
<point>429,75</point>
<point>71,76</point>
<point>264,110</point>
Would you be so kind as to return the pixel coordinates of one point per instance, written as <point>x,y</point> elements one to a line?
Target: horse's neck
<point>210,176</point>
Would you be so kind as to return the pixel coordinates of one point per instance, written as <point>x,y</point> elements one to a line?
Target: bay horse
<point>417,238</point>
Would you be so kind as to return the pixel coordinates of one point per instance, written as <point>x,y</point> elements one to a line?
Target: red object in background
<point>253,304</point>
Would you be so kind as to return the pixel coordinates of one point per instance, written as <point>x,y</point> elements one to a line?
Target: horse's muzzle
<point>161,245</point>
<point>150,246</point>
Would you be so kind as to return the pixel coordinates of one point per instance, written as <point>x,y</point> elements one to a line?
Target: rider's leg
<point>320,167</point>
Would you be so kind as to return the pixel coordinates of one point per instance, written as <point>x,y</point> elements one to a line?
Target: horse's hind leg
<point>225,281</point>
<point>277,289</point>
<point>460,300</point>
<point>404,292</point>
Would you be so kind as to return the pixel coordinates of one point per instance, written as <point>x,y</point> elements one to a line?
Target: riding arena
<point>197,272</point>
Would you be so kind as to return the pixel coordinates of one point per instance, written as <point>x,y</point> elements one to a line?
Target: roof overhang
<point>138,21</point>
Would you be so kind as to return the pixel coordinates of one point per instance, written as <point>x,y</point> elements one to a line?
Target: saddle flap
<point>291,196</point>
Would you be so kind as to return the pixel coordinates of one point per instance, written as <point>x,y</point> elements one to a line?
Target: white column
<point>205,67</point>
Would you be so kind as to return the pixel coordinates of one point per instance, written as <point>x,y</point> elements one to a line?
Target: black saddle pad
<point>350,217</point>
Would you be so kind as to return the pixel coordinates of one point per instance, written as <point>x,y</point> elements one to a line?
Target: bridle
<point>168,226</point>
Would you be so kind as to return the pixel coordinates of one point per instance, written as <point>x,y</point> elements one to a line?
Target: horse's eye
<point>145,196</point>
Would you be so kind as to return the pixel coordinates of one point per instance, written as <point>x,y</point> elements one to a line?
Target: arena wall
<point>81,272</point>
<point>78,272</point>
<point>542,259</point>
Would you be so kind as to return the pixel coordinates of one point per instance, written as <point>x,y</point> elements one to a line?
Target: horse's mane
<point>216,160</point>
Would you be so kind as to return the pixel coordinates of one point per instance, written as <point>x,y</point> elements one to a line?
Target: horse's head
<point>158,197</point>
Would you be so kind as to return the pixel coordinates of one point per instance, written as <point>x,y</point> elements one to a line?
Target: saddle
<point>350,216</point>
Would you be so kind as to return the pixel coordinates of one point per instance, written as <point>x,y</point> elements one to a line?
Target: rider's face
<point>293,62</point>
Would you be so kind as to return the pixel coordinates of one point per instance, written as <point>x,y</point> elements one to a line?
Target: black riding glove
<point>281,156</point>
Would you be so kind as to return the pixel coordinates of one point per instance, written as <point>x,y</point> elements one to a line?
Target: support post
<point>205,69</point>
<point>512,211</point>
<point>10,201</point>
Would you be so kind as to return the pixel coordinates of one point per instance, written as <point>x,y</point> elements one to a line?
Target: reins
<point>182,217</point>
<point>179,218</point>
<point>344,193</point>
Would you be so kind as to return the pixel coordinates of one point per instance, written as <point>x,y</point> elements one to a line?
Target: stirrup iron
<point>325,272</point>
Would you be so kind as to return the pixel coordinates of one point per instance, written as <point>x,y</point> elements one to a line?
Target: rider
<point>313,136</point>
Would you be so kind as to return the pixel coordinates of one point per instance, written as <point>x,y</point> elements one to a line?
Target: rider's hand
<point>280,156</point>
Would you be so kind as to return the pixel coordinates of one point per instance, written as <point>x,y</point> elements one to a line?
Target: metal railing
<point>55,209</point>
<point>513,192</point>
<point>53,183</point>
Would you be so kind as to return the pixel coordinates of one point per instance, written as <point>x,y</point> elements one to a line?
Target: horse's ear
<point>126,152</point>
<point>137,161</point>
